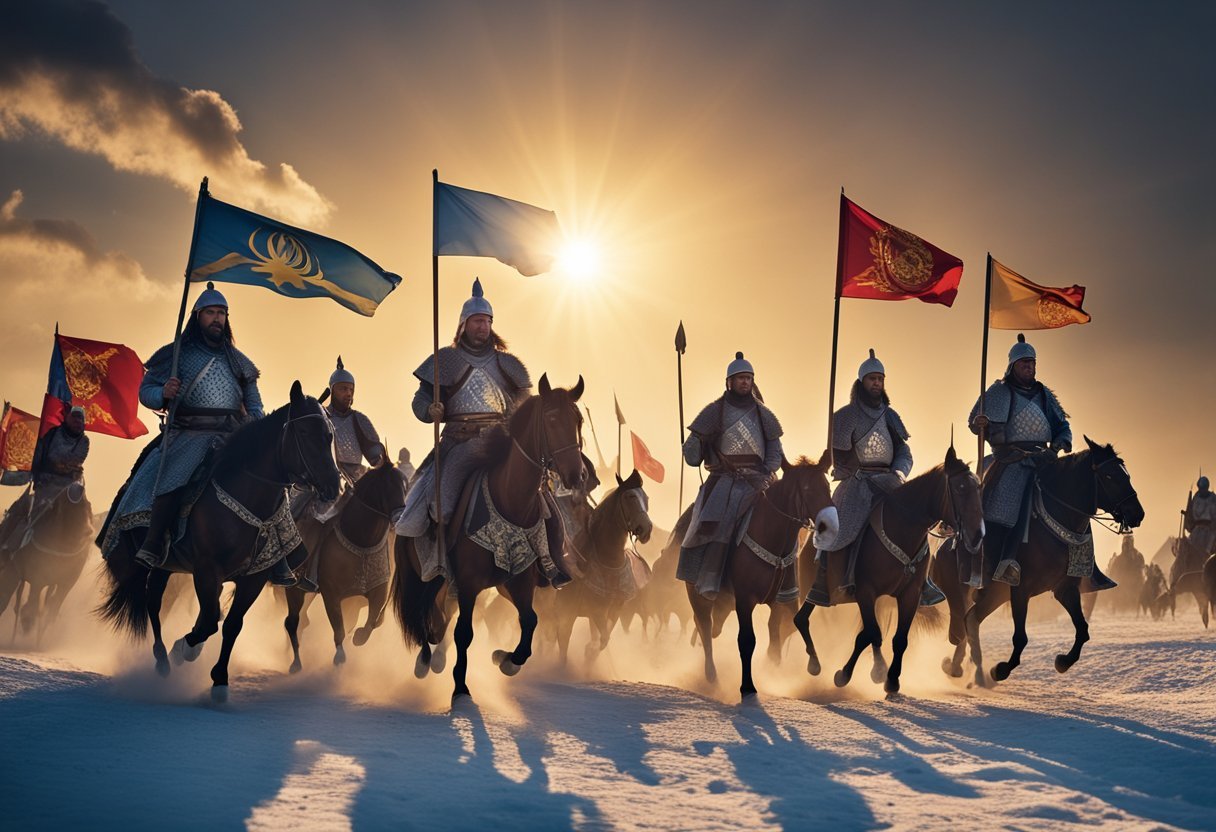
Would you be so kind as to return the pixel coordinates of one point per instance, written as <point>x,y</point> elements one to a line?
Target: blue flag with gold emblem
<point>238,246</point>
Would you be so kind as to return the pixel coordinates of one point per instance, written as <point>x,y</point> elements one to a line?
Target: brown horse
<point>609,579</point>
<point>544,432</point>
<point>757,566</point>
<point>294,444</point>
<point>1073,489</point>
<point>1154,595</point>
<point>1186,575</point>
<point>51,561</point>
<point>352,552</point>
<point>892,559</point>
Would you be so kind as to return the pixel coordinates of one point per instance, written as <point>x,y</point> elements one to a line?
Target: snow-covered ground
<point>92,738</point>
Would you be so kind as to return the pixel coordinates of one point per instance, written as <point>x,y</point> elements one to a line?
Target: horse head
<point>306,445</point>
<point>1113,490</point>
<point>635,506</point>
<point>966,504</point>
<point>382,488</point>
<point>553,431</point>
<point>810,496</point>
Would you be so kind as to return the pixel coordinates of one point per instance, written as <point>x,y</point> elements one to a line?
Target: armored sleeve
<point>156,373</point>
<point>1061,431</point>
<point>369,440</point>
<point>902,463</point>
<point>422,400</point>
<point>694,452</point>
<point>252,398</point>
<point>773,454</point>
<point>995,433</point>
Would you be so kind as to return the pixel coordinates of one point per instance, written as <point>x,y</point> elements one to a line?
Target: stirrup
<point>930,593</point>
<point>281,574</point>
<point>1008,571</point>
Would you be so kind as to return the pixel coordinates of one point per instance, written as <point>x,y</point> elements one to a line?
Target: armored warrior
<point>1199,522</point>
<point>217,389</point>
<point>1025,426</point>
<point>871,457</point>
<point>355,439</point>
<point>405,468</point>
<point>739,440</point>
<point>480,385</point>
<point>58,462</point>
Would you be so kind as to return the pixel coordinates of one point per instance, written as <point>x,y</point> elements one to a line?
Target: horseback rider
<point>1026,427</point>
<point>58,462</point>
<point>871,458</point>
<point>216,391</point>
<point>739,440</point>
<point>405,468</point>
<point>480,386</point>
<point>355,439</point>
<point>1199,519</point>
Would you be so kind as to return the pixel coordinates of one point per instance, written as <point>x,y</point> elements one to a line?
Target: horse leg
<point>987,600</point>
<point>522,588</point>
<point>779,619</point>
<point>17,605</point>
<point>333,609</point>
<point>702,610</point>
<point>870,635</point>
<point>1019,601</point>
<point>1069,596</point>
<point>377,600</point>
<point>802,623</point>
<point>464,637</point>
<point>908,603</point>
<point>953,665</point>
<point>158,579</point>
<point>295,603</point>
<point>32,609</point>
<point>747,642</point>
<point>247,591</point>
<point>207,589</point>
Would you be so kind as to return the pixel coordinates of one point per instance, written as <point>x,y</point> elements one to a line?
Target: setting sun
<point>580,259</point>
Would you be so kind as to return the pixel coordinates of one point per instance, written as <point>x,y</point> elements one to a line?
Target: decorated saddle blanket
<point>514,548</point>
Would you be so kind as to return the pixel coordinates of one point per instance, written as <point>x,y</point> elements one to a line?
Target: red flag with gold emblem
<point>881,262</point>
<point>643,461</point>
<point>104,379</point>
<point>18,435</point>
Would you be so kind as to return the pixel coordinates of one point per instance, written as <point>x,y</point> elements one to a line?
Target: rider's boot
<point>819,591</point>
<point>155,550</point>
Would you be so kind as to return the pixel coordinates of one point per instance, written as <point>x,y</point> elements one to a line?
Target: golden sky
<point>701,146</point>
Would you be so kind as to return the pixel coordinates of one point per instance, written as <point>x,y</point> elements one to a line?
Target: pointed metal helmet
<point>739,365</point>
<point>1202,482</point>
<point>870,365</point>
<point>341,375</point>
<point>210,297</point>
<point>477,304</point>
<point>1019,351</point>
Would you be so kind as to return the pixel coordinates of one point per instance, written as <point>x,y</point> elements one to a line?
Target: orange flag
<point>18,435</point>
<point>1017,303</point>
<point>643,461</point>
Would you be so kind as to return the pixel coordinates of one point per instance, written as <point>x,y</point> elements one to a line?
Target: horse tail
<point>413,597</point>
<point>930,620</point>
<point>126,605</point>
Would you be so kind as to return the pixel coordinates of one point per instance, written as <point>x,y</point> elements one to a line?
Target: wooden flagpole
<point>681,345</point>
<point>435,355</point>
<point>979,460</point>
<point>840,251</point>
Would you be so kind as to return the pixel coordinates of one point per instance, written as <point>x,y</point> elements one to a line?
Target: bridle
<point>547,456</point>
<point>950,500</point>
<point>309,476</point>
<point>1116,512</point>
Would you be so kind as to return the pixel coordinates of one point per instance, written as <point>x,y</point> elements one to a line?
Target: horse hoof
<point>219,693</point>
<point>361,636</point>
<point>949,668</point>
<point>981,681</point>
<point>891,686</point>
<point>339,656</point>
<point>183,652</point>
<point>813,666</point>
<point>1063,663</point>
<point>503,659</point>
<point>439,659</point>
<point>162,668</point>
<point>421,667</point>
<point>748,695</point>
<point>841,678</point>
<point>1001,671</point>
<point>461,694</point>
<point>296,667</point>
<point>878,674</point>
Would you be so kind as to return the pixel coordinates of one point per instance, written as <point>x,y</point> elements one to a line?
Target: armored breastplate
<point>346,440</point>
<point>1028,422</point>
<point>1203,508</point>
<point>65,456</point>
<point>217,389</point>
<point>876,448</point>
<point>743,437</point>
<point>481,392</point>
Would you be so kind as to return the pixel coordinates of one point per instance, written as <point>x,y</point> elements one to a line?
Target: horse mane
<point>249,441</point>
<point>1064,467</point>
<point>918,489</point>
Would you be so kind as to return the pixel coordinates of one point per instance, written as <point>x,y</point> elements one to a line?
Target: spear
<point>681,345</point>
<point>598,452</point>
<point>620,421</point>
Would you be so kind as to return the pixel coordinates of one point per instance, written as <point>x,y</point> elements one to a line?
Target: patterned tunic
<point>1019,420</point>
<point>355,439</point>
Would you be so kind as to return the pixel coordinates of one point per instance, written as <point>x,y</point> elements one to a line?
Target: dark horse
<point>352,552</point>
<point>893,559</point>
<point>1073,489</point>
<point>1187,574</point>
<point>609,578</point>
<point>766,554</point>
<point>51,560</point>
<point>292,445</point>
<point>543,432</point>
